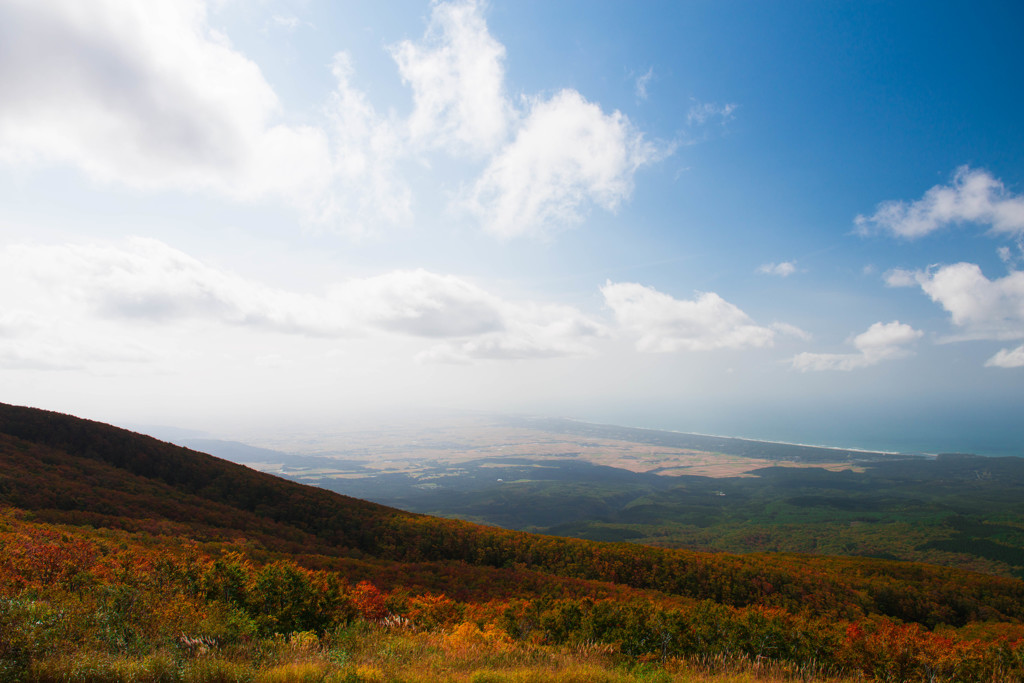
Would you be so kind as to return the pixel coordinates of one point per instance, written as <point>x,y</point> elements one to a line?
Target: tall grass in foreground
<point>374,654</point>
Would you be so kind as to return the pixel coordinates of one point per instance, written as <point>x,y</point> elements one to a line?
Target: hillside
<point>58,469</point>
<point>72,470</point>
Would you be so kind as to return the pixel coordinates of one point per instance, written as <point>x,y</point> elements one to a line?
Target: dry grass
<point>467,654</point>
<point>370,654</point>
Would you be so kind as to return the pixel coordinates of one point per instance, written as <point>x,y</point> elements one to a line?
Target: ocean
<point>994,431</point>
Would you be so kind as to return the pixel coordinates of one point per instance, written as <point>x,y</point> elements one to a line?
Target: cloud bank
<point>55,294</point>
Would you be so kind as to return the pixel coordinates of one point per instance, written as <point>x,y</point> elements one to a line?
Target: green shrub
<point>215,670</point>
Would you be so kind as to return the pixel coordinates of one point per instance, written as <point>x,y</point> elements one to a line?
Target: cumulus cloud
<point>973,196</point>
<point>882,338</point>
<point>663,323</point>
<point>881,342</point>
<point>457,75</point>
<point>567,156</point>
<point>148,95</point>
<point>147,284</point>
<point>783,269</point>
<point>982,308</point>
<point>548,161</point>
<point>1007,358</point>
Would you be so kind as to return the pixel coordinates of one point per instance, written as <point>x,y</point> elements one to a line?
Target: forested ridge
<point>283,558</point>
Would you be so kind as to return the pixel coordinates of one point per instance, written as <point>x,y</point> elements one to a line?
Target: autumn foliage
<point>118,550</point>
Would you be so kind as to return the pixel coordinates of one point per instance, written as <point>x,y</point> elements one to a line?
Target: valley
<point>608,483</point>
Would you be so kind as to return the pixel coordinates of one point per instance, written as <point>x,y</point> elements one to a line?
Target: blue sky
<point>787,220</point>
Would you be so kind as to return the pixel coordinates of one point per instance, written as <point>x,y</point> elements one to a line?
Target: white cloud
<point>547,162</point>
<point>791,331</point>
<point>288,22</point>
<point>16,322</point>
<point>817,362</point>
<point>663,323</point>
<point>1011,258</point>
<point>69,351</point>
<point>367,148</point>
<point>881,341</point>
<point>20,357</point>
<point>567,156</point>
<point>420,303</point>
<point>641,83</point>
<point>148,95</point>
<point>49,337</point>
<point>701,113</point>
<point>974,196</point>
<point>899,277</point>
<point>1007,358</point>
<point>532,331</point>
<point>783,269</point>
<point>982,308</point>
<point>144,286</point>
<point>147,281</point>
<point>457,77</point>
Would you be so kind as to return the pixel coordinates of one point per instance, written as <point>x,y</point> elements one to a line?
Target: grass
<point>369,654</point>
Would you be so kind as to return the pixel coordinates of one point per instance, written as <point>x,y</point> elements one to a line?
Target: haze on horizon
<point>790,221</point>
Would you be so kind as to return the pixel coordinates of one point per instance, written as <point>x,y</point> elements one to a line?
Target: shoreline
<point>865,451</point>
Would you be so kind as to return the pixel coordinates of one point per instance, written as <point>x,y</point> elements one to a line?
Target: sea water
<point>989,431</point>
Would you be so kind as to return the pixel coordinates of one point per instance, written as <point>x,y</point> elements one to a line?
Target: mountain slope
<point>78,471</point>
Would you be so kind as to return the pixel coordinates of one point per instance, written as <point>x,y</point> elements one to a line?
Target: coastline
<point>845,449</point>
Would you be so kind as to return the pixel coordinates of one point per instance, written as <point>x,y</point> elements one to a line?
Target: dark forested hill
<point>70,470</point>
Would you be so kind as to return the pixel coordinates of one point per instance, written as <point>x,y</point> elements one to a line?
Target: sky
<point>794,220</point>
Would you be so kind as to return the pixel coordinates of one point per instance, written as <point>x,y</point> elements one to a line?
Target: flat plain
<point>668,489</point>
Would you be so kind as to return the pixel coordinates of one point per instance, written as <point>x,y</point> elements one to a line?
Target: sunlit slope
<point>73,470</point>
